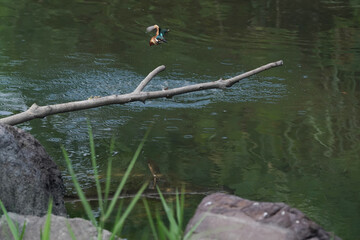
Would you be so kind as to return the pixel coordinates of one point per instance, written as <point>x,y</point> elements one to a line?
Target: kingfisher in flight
<point>159,36</point>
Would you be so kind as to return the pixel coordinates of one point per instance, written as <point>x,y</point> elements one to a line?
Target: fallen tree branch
<point>36,111</point>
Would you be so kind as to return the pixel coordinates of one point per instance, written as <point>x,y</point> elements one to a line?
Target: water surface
<point>289,134</point>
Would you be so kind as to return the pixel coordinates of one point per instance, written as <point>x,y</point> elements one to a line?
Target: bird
<point>159,36</point>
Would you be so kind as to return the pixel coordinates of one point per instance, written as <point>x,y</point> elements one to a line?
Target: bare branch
<point>148,78</point>
<point>36,111</point>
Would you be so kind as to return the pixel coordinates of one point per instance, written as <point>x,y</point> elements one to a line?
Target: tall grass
<point>45,233</point>
<point>173,228</point>
<point>14,229</point>
<point>174,215</point>
<point>107,207</point>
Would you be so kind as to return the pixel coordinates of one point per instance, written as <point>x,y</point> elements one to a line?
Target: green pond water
<point>290,134</point>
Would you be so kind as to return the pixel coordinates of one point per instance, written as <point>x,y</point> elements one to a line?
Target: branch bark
<point>138,94</point>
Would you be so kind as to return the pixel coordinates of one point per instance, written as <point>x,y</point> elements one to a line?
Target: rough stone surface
<point>28,176</point>
<point>231,217</point>
<point>82,229</point>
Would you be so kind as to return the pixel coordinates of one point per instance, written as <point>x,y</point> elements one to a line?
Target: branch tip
<point>33,107</point>
<point>148,78</point>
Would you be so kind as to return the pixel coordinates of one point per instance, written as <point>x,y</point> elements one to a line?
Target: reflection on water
<point>289,134</point>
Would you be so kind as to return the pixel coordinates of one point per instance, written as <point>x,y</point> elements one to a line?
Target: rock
<point>82,229</point>
<point>231,217</point>
<point>28,176</point>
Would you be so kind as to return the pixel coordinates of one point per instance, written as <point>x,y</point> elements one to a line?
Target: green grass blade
<point>151,221</point>
<point>100,232</point>
<point>119,210</point>
<point>22,231</point>
<point>180,207</point>
<point>177,208</point>
<point>120,223</point>
<point>45,234</point>
<point>95,168</point>
<point>79,191</point>
<point>189,233</point>
<point>108,173</point>
<point>13,228</point>
<point>169,213</point>
<point>118,214</point>
<point>126,176</point>
<point>163,231</point>
<point>71,232</point>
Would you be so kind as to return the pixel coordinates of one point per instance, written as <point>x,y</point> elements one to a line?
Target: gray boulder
<point>82,229</point>
<point>28,176</point>
<point>223,216</point>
